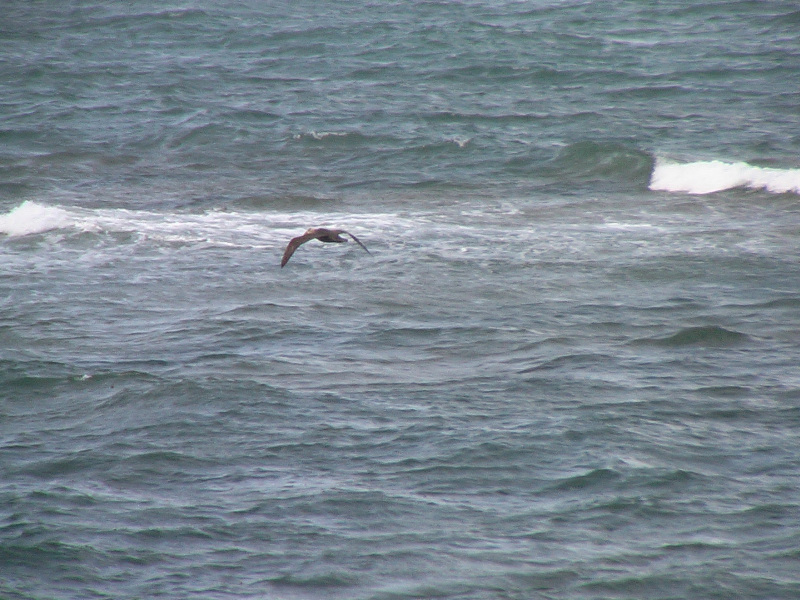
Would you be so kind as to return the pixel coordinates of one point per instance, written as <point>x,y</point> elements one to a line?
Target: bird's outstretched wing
<point>356,240</point>
<point>294,244</point>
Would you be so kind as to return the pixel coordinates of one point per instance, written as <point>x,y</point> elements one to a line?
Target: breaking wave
<point>706,177</point>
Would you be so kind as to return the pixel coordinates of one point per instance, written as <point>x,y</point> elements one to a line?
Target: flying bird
<point>322,234</point>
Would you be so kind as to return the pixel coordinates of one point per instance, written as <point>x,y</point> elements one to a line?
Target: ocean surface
<point>568,368</point>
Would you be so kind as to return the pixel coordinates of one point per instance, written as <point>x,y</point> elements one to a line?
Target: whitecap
<point>320,135</point>
<point>461,142</point>
<point>706,177</point>
<point>29,218</point>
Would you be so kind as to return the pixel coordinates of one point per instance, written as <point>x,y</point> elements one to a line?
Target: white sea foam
<point>29,218</point>
<point>211,228</point>
<point>707,177</point>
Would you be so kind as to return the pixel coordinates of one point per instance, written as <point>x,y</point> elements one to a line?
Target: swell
<point>592,160</point>
<point>711,336</point>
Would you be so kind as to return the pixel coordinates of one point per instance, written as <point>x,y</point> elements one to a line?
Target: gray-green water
<point>568,368</point>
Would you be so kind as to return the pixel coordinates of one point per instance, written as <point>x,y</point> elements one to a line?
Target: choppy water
<point>568,368</point>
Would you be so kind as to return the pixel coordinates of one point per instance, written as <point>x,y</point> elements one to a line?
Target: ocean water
<point>568,368</point>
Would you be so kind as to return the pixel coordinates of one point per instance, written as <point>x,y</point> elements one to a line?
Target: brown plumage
<point>322,234</point>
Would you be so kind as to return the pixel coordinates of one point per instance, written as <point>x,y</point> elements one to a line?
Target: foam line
<point>221,228</point>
